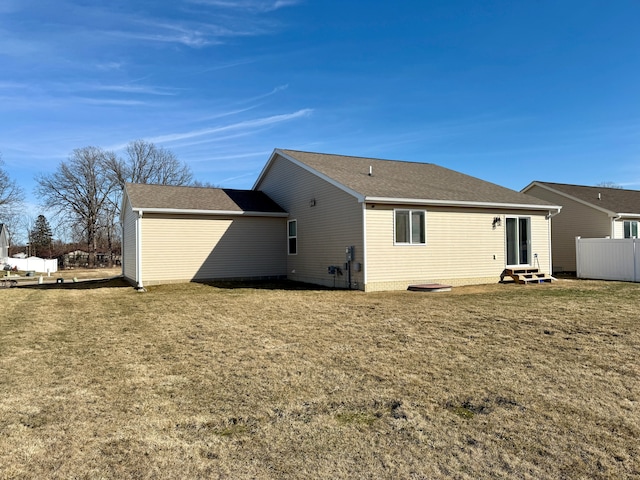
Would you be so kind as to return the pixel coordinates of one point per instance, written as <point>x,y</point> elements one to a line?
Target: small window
<point>410,227</point>
<point>630,229</point>
<point>293,237</point>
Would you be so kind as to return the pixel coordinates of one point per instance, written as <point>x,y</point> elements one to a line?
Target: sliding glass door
<point>518,234</point>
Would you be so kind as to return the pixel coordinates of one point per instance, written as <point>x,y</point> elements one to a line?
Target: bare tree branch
<point>147,163</point>
<point>79,191</point>
<point>11,196</point>
<point>609,185</point>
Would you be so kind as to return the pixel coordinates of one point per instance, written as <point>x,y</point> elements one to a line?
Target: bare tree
<point>609,185</point>
<point>201,184</point>
<point>144,162</point>
<point>11,198</point>
<point>147,163</point>
<point>79,191</point>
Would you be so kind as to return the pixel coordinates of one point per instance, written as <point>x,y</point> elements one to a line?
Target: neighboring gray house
<point>589,212</point>
<point>334,220</point>
<point>4,242</point>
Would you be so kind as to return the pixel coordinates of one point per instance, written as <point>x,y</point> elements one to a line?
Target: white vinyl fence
<point>608,259</point>
<point>34,264</point>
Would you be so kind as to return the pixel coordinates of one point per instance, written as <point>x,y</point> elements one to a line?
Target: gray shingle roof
<point>394,179</point>
<point>615,200</point>
<point>165,197</point>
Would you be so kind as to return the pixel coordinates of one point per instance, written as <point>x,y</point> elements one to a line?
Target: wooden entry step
<point>526,275</point>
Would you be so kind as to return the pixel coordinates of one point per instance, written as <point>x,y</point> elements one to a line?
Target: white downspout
<point>550,247</point>
<point>613,225</point>
<point>364,246</point>
<point>140,286</point>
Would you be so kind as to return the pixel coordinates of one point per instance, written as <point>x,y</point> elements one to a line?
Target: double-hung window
<point>410,227</point>
<point>630,229</point>
<point>292,233</point>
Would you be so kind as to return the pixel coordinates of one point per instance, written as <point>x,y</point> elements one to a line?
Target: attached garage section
<point>214,234</point>
<point>207,248</point>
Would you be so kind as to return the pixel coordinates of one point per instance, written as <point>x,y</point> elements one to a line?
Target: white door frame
<point>519,251</point>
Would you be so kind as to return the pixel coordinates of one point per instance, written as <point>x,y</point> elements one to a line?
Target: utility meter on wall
<point>349,254</point>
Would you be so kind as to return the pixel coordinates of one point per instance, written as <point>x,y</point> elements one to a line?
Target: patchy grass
<point>202,381</point>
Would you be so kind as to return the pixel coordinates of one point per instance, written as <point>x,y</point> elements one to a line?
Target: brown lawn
<point>201,381</point>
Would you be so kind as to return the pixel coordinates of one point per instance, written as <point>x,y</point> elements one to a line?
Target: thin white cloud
<point>111,102</point>
<point>277,89</point>
<point>190,34</point>
<point>248,124</point>
<point>137,89</point>
<point>260,154</point>
<point>109,66</point>
<point>239,177</point>
<point>250,5</point>
<point>191,142</point>
<point>224,66</point>
<point>225,114</point>
<point>192,39</point>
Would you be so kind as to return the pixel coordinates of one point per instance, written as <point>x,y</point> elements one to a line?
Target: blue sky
<point>506,91</point>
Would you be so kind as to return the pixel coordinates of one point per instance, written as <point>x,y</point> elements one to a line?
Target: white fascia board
<point>180,211</point>
<point>306,167</point>
<point>626,215</point>
<point>532,184</point>
<point>570,197</point>
<point>266,167</point>
<point>123,202</point>
<point>456,203</point>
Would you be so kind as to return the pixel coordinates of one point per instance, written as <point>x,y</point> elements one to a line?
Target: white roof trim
<point>306,167</point>
<point>627,215</point>
<point>461,203</point>
<point>184,211</point>
<point>570,197</point>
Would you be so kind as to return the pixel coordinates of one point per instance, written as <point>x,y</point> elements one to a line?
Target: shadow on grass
<point>113,282</point>
<point>265,285</point>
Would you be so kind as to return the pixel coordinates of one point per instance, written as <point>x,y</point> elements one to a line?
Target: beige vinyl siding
<point>324,230</point>
<point>129,248</point>
<point>574,220</point>
<point>462,247</point>
<point>184,248</point>
<point>541,241</point>
<point>618,228</point>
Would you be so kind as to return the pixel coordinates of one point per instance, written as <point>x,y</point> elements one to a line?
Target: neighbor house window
<point>410,227</point>
<point>630,229</point>
<point>293,236</point>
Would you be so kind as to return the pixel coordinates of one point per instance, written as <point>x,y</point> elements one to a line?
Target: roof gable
<point>180,199</point>
<point>370,179</point>
<point>615,201</point>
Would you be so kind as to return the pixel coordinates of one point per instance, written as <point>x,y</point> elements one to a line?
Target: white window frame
<point>411,211</point>
<point>292,237</point>
<point>624,229</point>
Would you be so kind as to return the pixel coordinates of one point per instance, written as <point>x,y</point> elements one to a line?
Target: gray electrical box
<point>349,253</point>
